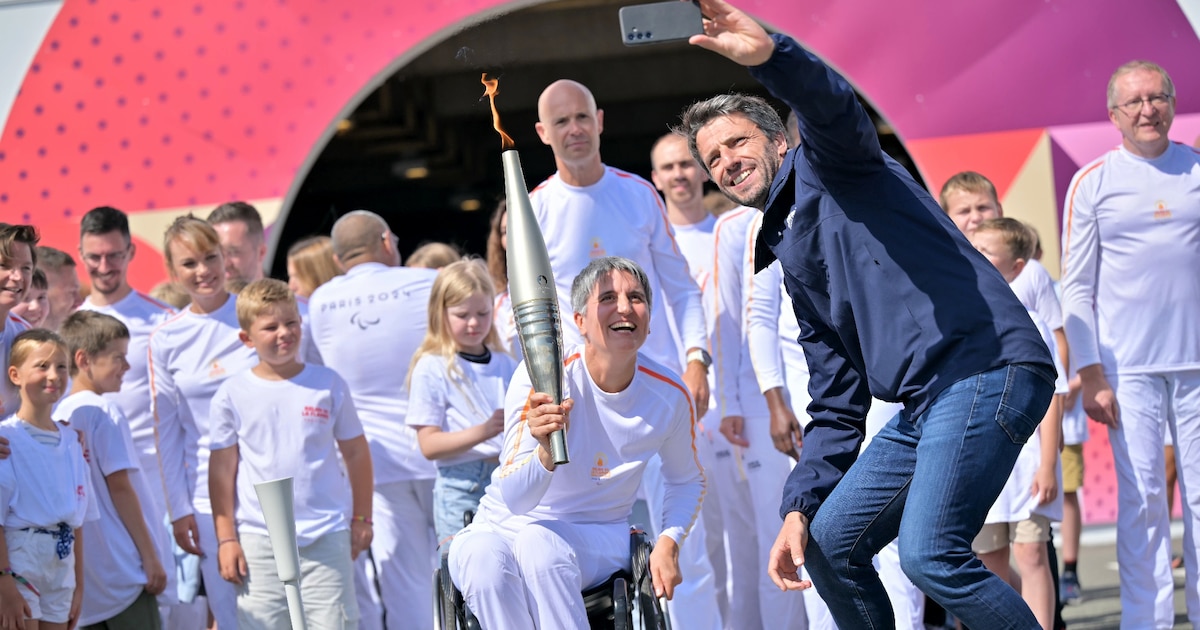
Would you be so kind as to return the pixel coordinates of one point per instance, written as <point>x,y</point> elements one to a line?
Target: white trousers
<point>1150,406</point>
<point>694,604</point>
<point>221,595</point>
<point>708,438</point>
<point>535,579</point>
<point>403,556</point>
<point>726,477</point>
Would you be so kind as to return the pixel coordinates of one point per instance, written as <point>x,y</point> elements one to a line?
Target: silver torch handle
<point>278,510</point>
<point>540,332</point>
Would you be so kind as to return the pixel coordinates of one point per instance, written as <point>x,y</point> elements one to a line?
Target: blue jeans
<point>458,489</point>
<point>930,481</point>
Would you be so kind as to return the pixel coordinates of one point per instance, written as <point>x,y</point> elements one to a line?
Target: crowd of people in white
<point>394,395</point>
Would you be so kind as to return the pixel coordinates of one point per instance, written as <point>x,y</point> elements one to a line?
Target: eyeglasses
<point>113,258</point>
<point>1157,101</point>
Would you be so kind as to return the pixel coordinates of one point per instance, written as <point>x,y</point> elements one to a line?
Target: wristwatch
<point>701,355</point>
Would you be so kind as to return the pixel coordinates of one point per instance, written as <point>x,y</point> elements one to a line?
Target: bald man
<point>588,210</point>
<point>366,324</point>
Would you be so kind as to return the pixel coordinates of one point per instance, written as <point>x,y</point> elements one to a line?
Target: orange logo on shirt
<point>600,469</point>
<point>1160,211</point>
<point>217,370</point>
<point>597,248</point>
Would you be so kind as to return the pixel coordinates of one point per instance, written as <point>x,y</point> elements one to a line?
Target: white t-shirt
<point>289,428</point>
<point>620,215</point>
<point>10,398</point>
<point>612,435</point>
<point>735,386</point>
<point>460,401</point>
<point>43,485</point>
<point>141,314</point>
<point>1035,288</point>
<point>1131,251</point>
<point>112,568</point>
<point>1015,502</point>
<point>190,355</point>
<point>308,348</point>
<point>367,324</point>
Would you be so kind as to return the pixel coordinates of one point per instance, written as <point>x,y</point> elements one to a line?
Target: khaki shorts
<point>1072,467</point>
<point>996,536</point>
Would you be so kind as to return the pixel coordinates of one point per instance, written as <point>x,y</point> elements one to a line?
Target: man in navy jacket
<point>893,302</point>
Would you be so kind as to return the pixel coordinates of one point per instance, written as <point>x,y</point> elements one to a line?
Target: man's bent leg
<point>559,560</point>
<point>969,439</point>
<point>1143,524</point>
<point>483,567</point>
<point>859,517</point>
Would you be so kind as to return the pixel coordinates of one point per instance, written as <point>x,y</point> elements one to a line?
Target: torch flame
<point>492,88</point>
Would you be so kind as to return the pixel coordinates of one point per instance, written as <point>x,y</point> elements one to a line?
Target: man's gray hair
<point>585,282</point>
<point>1137,64</point>
<point>755,108</point>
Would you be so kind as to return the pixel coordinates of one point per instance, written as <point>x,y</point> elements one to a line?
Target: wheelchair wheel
<point>622,608</point>
<point>653,616</point>
<point>445,613</point>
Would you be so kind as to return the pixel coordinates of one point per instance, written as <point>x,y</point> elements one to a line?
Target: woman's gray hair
<point>755,108</point>
<point>585,282</point>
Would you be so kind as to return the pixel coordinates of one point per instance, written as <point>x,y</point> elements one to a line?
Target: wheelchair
<point>610,605</point>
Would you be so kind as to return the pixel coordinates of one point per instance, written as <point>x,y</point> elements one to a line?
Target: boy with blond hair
<point>284,418</point>
<point>1031,499</point>
<point>123,574</point>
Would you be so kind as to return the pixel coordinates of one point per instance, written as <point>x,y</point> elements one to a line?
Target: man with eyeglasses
<point>1131,304</point>
<point>106,249</point>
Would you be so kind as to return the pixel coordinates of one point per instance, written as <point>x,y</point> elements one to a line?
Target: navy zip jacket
<point>891,299</point>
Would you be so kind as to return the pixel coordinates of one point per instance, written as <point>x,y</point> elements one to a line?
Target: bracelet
<point>363,519</point>
<point>227,540</point>
<point>7,571</point>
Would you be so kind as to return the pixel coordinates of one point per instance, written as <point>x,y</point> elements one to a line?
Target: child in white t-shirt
<point>456,386</point>
<point>123,575</point>
<point>283,418</point>
<point>44,493</point>
<point>1031,499</point>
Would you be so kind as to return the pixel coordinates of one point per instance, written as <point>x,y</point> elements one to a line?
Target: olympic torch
<point>534,298</point>
<point>278,511</point>
<point>531,281</point>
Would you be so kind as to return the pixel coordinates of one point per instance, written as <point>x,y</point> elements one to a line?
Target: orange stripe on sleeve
<point>1070,210</point>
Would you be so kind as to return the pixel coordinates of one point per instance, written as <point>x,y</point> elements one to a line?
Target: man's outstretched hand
<point>733,34</point>
<point>787,554</point>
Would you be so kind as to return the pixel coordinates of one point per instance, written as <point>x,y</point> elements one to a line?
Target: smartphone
<point>659,22</point>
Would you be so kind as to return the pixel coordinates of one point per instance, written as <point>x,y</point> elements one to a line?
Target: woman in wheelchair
<point>544,533</point>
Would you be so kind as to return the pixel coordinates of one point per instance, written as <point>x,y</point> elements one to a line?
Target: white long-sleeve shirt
<point>1131,251</point>
<point>620,215</point>
<point>735,385</point>
<point>190,356</point>
<point>367,324</point>
<point>610,438</point>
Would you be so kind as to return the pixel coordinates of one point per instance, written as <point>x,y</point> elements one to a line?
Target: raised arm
<point>836,130</point>
<point>526,464</point>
